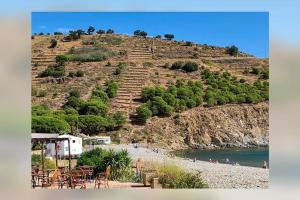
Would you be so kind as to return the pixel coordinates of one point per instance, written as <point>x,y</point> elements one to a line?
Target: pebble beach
<point>216,175</point>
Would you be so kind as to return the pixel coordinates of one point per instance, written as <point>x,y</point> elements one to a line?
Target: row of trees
<point>89,116</point>
<point>159,101</point>
<point>141,33</point>
<point>222,88</point>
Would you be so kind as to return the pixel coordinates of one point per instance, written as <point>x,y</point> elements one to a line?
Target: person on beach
<point>139,166</point>
<point>210,160</point>
<point>195,159</point>
<point>265,165</point>
<point>227,160</point>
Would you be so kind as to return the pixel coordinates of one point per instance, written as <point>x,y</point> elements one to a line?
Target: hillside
<point>146,62</point>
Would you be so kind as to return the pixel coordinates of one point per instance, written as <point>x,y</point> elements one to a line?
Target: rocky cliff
<point>221,126</point>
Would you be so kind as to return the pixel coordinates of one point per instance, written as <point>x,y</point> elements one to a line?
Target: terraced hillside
<point>147,62</point>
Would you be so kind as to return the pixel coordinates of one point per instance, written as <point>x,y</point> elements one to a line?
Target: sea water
<point>253,157</point>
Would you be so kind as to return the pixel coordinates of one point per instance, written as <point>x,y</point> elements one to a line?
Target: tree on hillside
<point>110,31</point>
<point>58,33</point>
<point>92,124</point>
<point>80,32</point>
<point>169,36</point>
<point>119,119</point>
<point>140,33</point>
<point>158,37</point>
<point>143,113</point>
<point>111,89</point>
<point>53,43</point>
<point>143,34</point>
<point>101,31</point>
<point>137,32</point>
<point>233,50</point>
<point>74,35</point>
<point>90,30</point>
<point>41,33</point>
<point>49,124</point>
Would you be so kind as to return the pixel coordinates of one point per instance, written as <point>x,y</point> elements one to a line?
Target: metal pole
<point>69,148</point>
<point>56,165</point>
<point>43,162</point>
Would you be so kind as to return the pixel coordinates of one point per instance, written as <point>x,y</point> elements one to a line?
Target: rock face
<point>244,125</point>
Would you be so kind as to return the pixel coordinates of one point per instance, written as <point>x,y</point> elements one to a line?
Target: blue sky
<point>247,30</point>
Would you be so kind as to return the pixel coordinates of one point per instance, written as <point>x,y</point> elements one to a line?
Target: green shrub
<point>148,64</point>
<point>120,68</point>
<point>177,65</point>
<point>34,92</point>
<point>148,93</point>
<point>264,74</point>
<point>93,107</point>
<point>190,103</point>
<point>188,43</point>
<point>40,110</point>
<point>99,94</point>
<point>160,107</point>
<point>72,74</point>
<point>92,124</point>
<point>119,119</point>
<point>92,158</point>
<point>48,124</point>
<point>101,158</point>
<point>233,50</point>
<point>74,93</point>
<point>79,73</point>
<point>42,93</point>
<point>246,71</point>
<point>53,43</point>
<point>172,176</point>
<point>54,71</point>
<point>143,113</point>
<point>190,66</point>
<point>242,80</point>
<point>255,71</point>
<point>170,99</point>
<point>61,59</point>
<point>112,89</point>
<point>211,101</point>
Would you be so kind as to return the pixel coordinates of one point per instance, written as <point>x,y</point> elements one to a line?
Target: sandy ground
<point>215,175</point>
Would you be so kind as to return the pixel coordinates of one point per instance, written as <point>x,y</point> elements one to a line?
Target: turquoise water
<point>244,156</point>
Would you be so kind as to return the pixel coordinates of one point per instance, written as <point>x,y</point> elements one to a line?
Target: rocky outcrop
<point>245,125</point>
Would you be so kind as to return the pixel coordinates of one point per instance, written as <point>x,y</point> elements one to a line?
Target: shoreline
<point>216,175</point>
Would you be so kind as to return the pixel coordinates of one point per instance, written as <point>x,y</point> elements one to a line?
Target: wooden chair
<point>103,176</point>
<point>88,171</point>
<point>78,179</point>
<point>34,177</point>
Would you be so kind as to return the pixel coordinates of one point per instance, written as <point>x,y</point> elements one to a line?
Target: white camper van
<point>63,149</point>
